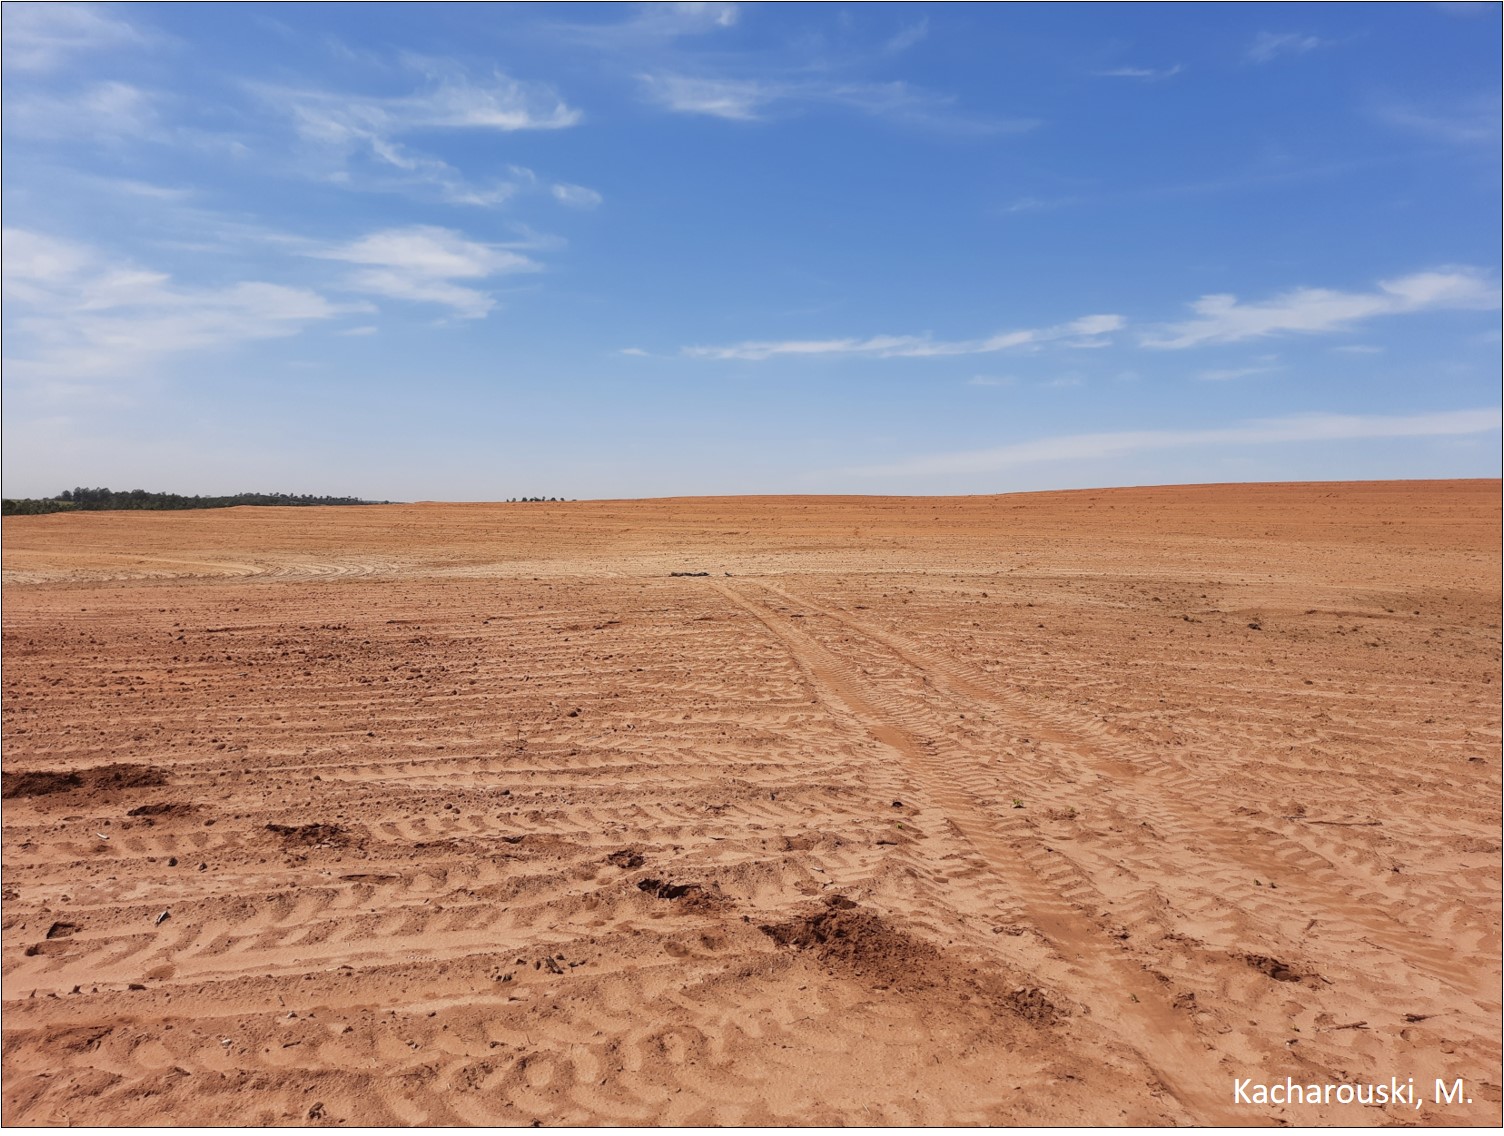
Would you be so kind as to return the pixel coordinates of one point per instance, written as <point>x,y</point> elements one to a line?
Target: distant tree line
<point>512,499</point>
<point>90,500</point>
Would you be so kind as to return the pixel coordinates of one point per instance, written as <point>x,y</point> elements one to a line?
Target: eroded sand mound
<point>1034,809</point>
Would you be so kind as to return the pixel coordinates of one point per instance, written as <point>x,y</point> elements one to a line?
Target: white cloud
<point>421,262</point>
<point>1223,319</point>
<point>738,99</point>
<point>35,263</point>
<point>1150,73</point>
<point>453,101</point>
<point>682,71</point>
<point>146,189</point>
<point>1227,374</point>
<point>1063,382</point>
<point>635,352</point>
<point>73,316</point>
<point>1219,319</point>
<point>753,100</point>
<point>1093,325</point>
<point>42,37</point>
<point>691,17</point>
<point>454,189</point>
<point>1263,431</point>
<point>1084,332</point>
<point>651,23</point>
<point>1466,122</point>
<point>1359,349</point>
<point>576,196</point>
<point>907,37</point>
<point>114,115</point>
<point>109,112</point>
<point>428,250</point>
<point>1267,46</point>
<point>343,129</point>
<point>991,381</point>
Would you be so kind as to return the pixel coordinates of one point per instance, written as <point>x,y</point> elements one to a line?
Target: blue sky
<point>472,252</point>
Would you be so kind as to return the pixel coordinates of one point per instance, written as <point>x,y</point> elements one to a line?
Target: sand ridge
<point>1039,808</point>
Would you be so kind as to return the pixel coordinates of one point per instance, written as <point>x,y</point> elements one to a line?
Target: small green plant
<point>1017,804</point>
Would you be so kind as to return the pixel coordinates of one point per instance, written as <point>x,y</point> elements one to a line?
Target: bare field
<point>1046,808</point>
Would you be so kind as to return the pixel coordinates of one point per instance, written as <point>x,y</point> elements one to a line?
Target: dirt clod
<point>662,890</point>
<point>101,777</point>
<point>162,809</point>
<point>1273,968</point>
<point>310,835</point>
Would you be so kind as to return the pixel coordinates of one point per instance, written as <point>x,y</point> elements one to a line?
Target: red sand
<point>1047,808</point>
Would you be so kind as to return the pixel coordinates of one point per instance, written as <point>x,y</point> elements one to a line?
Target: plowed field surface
<point>1045,808</point>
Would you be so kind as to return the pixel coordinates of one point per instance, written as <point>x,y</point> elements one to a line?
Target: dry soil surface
<point>1041,808</point>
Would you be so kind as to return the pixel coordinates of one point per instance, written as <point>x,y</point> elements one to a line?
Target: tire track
<point>1162,1039</point>
<point>1160,787</point>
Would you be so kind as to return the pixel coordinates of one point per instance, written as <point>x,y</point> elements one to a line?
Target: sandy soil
<point>1023,809</point>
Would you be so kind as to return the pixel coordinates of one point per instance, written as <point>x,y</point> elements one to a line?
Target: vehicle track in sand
<point>1194,831</point>
<point>1183,808</point>
<point>1102,975</point>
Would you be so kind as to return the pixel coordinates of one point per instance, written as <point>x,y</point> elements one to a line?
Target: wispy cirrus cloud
<point>1262,431</point>
<point>74,315</point>
<point>1040,204</point>
<point>42,37</point>
<point>112,113</point>
<point>667,50</point>
<point>421,264</point>
<point>1224,319</point>
<point>452,100</point>
<point>576,196</point>
<point>742,100</point>
<point>907,37</point>
<point>1228,374</point>
<point>672,19</point>
<point>649,24</point>
<point>1087,331</point>
<point>1269,46</point>
<point>763,98</point>
<point>1219,318</point>
<point>1260,175</point>
<point>1146,73</point>
<point>1473,121</point>
<point>145,189</point>
<point>364,139</point>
